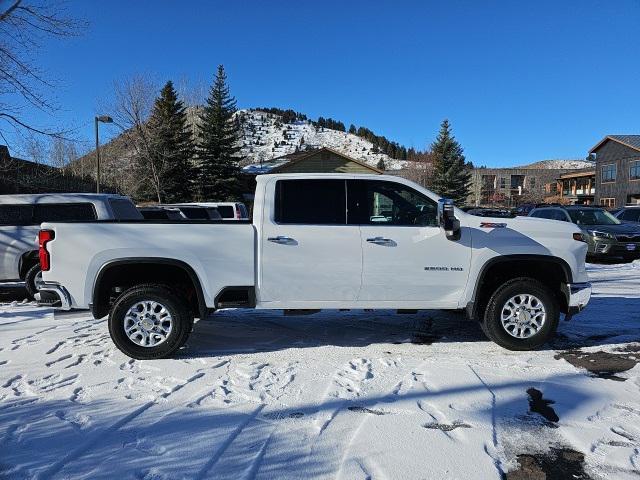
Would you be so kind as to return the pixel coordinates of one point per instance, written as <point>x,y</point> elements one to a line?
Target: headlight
<point>599,234</point>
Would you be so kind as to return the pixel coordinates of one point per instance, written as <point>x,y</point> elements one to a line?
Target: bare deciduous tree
<point>420,170</point>
<point>133,102</point>
<point>24,26</point>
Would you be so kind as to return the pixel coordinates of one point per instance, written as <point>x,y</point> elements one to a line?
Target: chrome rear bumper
<point>579,295</point>
<point>54,295</point>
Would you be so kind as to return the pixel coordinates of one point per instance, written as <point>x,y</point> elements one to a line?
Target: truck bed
<point>79,250</point>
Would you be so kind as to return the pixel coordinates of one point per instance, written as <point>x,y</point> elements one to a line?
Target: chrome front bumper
<point>579,295</point>
<point>54,295</point>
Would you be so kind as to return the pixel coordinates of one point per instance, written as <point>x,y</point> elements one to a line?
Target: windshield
<point>592,216</point>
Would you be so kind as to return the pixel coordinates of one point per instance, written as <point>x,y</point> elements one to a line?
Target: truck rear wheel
<point>32,281</point>
<point>522,314</point>
<point>149,322</point>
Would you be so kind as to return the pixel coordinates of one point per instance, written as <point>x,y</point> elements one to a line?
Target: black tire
<point>492,324</point>
<point>30,280</point>
<point>181,318</point>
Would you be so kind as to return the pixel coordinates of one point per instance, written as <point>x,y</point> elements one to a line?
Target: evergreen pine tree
<point>171,149</point>
<point>381,165</point>
<point>352,129</point>
<point>451,175</point>
<point>218,144</point>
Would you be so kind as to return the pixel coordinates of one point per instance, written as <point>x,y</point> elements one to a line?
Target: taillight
<point>44,237</point>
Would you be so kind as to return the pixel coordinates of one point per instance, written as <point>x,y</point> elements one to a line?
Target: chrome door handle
<point>282,240</point>
<point>381,241</point>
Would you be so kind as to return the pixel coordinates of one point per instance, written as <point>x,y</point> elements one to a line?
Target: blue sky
<point>519,81</point>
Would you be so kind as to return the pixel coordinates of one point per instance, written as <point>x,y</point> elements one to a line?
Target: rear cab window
<point>124,209</point>
<point>16,215</point>
<point>63,212</point>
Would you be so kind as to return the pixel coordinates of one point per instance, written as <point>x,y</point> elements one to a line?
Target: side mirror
<point>447,220</point>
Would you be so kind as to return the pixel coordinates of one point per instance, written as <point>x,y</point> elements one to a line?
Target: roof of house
<point>275,164</point>
<point>579,173</point>
<point>631,141</point>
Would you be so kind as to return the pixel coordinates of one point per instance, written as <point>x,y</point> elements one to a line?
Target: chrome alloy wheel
<point>148,323</point>
<point>523,315</point>
<point>37,280</point>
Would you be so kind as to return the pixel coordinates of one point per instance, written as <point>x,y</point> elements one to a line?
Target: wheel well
<point>551,273</point>
<point>28,260</point>
<point>115,278</point>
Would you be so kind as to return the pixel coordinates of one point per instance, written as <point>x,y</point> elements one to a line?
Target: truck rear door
<point>308,252</point>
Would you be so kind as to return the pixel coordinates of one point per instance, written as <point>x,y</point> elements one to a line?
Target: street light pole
<point>103,119</point>
<point>97,159</point>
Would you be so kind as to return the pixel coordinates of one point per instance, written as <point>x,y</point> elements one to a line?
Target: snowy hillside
<point>266,136</point>
<point>561,164</point>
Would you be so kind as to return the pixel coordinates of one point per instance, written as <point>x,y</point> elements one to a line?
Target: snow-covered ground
<point>347,395</point>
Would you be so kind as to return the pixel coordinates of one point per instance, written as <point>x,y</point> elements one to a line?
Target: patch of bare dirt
<point>602,364</point>
<point>557,464</point>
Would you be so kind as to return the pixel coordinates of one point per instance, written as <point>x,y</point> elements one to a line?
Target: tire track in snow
<point>494,428</point>
<point>99,436</point>
<point>227,443</point>
<point>257,461</point>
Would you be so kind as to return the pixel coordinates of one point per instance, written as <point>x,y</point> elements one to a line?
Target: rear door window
<point>214,213</point>
<point>195,213</point>
<point>16,215</point>
<point>558,215</point>
<point>61,212</point>
<point>541,214</point>
<point>226,211</point>
<point>311,202</point>
<point>632,215</point>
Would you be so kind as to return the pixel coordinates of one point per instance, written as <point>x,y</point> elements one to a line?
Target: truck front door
<point>407,259</point>
<point>308,252</point>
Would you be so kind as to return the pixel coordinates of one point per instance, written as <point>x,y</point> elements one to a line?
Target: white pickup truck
<point>319,241</point>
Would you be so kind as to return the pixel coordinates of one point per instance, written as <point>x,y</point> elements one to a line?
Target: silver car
<point>21,216</point>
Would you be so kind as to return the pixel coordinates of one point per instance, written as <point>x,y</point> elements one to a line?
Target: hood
<point>622,229</point>
<point>523,224</point>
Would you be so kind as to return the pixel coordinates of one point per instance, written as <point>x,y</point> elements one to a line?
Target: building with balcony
<point>617,170</point>
<point>511,186</point>
<point>575,188</point>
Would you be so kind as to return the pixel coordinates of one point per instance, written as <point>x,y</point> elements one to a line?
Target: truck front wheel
<point>522,314</point>
<point>149,321</point>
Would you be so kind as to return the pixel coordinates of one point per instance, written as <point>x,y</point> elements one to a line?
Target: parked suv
<point>196,211</point>
<point>21,216</point>
<point>606,235</point>
<point>227,210</point>
<point>162,213</point>
<point>629,214</point>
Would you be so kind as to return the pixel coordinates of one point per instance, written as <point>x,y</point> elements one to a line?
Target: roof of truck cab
<point>32,198</point>
<point>372,176</point>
